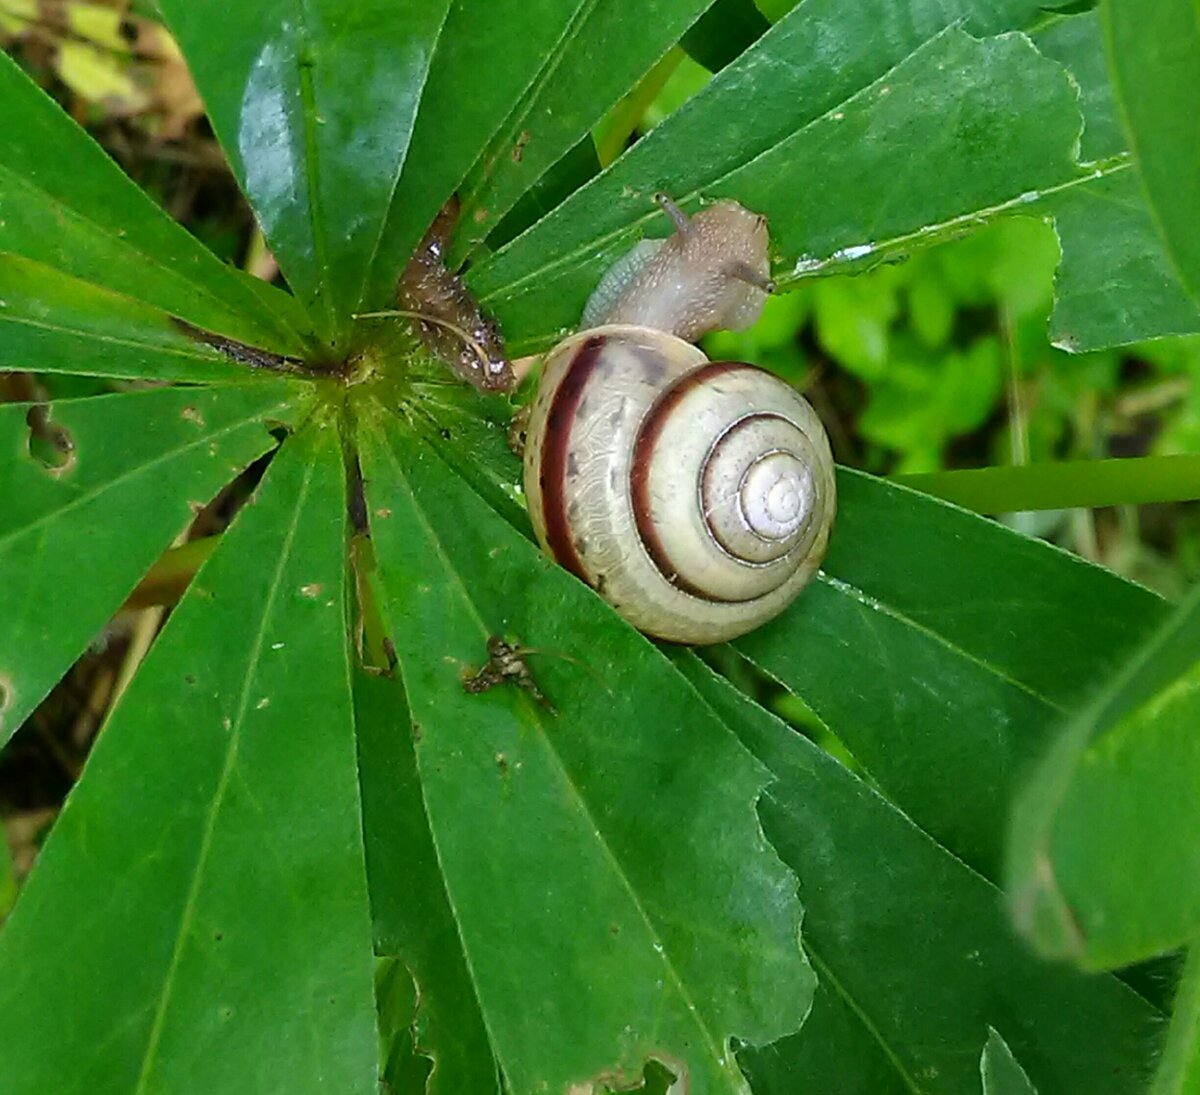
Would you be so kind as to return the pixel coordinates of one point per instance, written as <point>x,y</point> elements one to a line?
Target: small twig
<point>474,344</point>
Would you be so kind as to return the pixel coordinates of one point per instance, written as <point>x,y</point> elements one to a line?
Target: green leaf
<point>1154,56</point>
<point>1078,43</point>
<point>314,104</point>
<point>412,914</point>
<point>603,864</point>
<point>998,119</point>
<point>138,467</point>
<point>1104,858</point>
<point>796,78</point>
<point>511,41</point>
<point>1115,284</point>
<point>834,1052</point>
<point>1179,1070</point>
<point>1000,1071</point>
<point>64,202</point>
<point>579,165</point>
<point>470,432</point>
<point>911,947</point>
<point>52,323</point>
<point>1066,483</point>
<point>602,51</point>
<point>8,880</point>
<point>942,649</point>
<point>404,1071</point>
<point>197,921</point>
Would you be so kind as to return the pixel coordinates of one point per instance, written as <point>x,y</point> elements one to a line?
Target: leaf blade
<point>75,210</point>
<point>888,914</point>
<point>413,918</point>
<point>1115,283</point>
<point>574,799</point>
<point>52,322</point>
<point>139,460</point>
<point>816,58</point>
<point>1154,57</point>
<point>569,94</point>
<point>254,825</point>
<point>314,105</point>
<point>507,38</point>
<point>1103,831</point>
<point>965,666</point>
<point>1179,1070</point>
<point>1000,1071</point>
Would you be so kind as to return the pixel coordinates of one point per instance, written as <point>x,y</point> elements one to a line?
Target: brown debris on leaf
<point>451,324</point>
<point>505,662</point>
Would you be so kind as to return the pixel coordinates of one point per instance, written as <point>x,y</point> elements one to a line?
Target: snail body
<point>695,496</point>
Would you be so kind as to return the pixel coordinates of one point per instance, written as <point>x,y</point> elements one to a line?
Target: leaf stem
<point>1065,485</point>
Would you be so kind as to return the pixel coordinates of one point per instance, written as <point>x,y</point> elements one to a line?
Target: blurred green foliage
<point>953,342</point>
<point>943,361</point>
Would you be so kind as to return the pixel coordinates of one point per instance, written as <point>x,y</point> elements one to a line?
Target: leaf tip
<point>1041,913</point>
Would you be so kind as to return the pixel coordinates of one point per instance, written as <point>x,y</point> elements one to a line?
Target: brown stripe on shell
<point>556,444</point>
<point>639,471</point>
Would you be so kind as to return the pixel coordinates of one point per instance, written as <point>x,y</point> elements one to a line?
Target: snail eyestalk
<point>743,271</point>
<point>679,218</point>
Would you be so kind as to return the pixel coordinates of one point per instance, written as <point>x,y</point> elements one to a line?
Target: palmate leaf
<point>509,40</point>
<point>314,105</point>
<point>546,88</point>
<point>199,916</point>
<point>573,894</point>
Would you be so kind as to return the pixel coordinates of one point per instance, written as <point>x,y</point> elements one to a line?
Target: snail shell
<point>695,496</point>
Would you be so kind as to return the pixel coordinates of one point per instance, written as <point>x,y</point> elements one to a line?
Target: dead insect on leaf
<point>505,663</point>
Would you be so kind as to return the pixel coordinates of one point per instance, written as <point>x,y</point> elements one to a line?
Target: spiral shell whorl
<point>695,496</point>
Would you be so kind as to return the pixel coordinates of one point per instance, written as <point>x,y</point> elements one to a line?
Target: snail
<point>695,496</point>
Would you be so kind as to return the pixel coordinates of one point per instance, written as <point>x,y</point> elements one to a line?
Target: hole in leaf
<point>50,443</point>
<point>6,693</point>
<point>657,1079</point>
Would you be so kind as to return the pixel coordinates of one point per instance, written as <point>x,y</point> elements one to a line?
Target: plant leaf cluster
<point>303,858</point>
